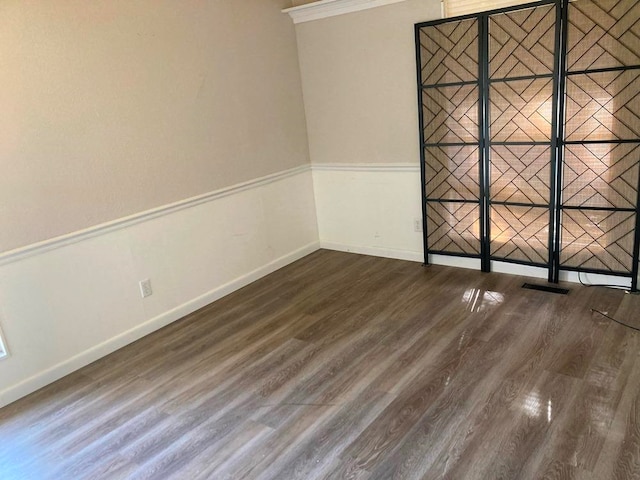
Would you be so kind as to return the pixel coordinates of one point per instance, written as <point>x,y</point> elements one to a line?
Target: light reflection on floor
<point>534,406</point>
<point>18,461</point>
<point>478,300</point>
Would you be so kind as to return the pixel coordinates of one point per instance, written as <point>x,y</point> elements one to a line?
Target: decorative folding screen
<point>450,95</point>
<point>530,127</point>
<point>521,71</point>
<point>602,137</point>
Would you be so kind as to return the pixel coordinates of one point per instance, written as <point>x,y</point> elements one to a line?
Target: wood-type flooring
<point>343,366</point>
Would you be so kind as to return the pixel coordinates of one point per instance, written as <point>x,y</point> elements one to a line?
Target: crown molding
<point>331,8</point>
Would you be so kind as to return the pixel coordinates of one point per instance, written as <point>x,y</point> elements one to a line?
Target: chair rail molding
<point>332,8</point>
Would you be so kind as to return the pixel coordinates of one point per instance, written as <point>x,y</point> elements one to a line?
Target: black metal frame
<point>565,73</point>
<point>635,271</point>
<point>557,146</point>
<point>423,145</point>
<point>484,144</point>
<point>557,154</point>
<point>552,143</point>
<point>485,147</point>
<point>423,175</point>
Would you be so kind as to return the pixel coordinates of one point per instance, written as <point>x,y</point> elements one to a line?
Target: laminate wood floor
<point>348,366</point>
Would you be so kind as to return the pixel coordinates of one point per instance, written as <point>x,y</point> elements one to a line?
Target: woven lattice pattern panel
<point>449,52</point>
<point>450,114</point>
<point>520,233</point>
<point>601,175</point>
<point>603,106</point>
<point>598,240</point>
<point>522,42</point>
<point>520,173</point>
<point>603,34</point>
<point>453,227</point>
<point>521,110</point>
<point>452,172</point>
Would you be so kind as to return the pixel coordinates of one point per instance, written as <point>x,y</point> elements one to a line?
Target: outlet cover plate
<point>145,288</point>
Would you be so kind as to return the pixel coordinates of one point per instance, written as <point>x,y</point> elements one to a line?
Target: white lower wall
<point>369,209</point>
<point>372,208</point>
<point>70,301</point>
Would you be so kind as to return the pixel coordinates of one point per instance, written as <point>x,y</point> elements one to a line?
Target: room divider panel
<point>530,134</point>
<point>450,89</point>
<point>602,138</point>
<point>521,139</point>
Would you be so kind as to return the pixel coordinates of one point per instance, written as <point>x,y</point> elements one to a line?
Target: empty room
<point>330,239</point>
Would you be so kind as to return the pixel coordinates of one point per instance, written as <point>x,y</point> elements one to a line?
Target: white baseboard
<point>517,269</point>
<point>90,355</point>
<point>595,279</point>
<point>474,264</point>
<point>371,209</point>
<point>373,251</point>
<point>453,261</point>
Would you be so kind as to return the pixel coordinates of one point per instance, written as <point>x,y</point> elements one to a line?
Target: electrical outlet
<point>145,288</point>
<point>417,225</point>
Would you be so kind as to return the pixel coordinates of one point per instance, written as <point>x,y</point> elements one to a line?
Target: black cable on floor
<point>617,287</point>
<point>617,321</point>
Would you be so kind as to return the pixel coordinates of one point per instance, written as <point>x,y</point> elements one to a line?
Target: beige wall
<point>112,107</point>
<point>359,81</point>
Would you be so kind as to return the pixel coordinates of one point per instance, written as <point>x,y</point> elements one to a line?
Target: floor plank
<point>344,366</point>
